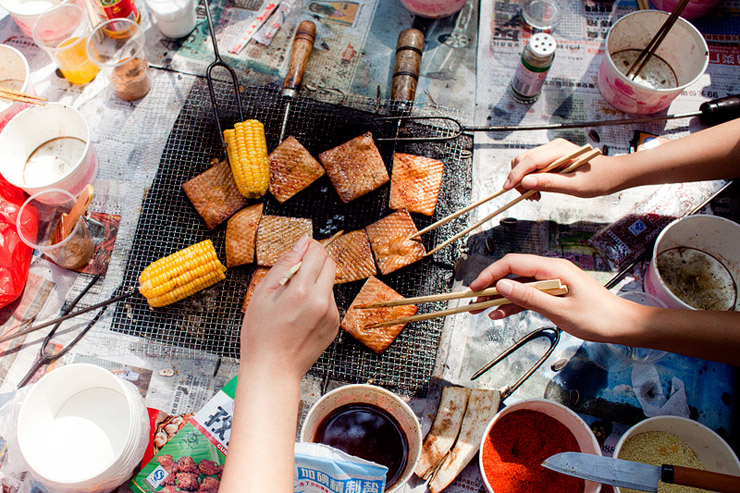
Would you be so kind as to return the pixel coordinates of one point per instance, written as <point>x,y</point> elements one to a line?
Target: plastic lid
<point>542,14</point>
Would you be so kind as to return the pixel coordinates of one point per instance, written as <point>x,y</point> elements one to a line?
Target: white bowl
<point>380,397</point>
<point>585,438</point>
<point>717,236</point>
<point>38,125</point>
<point>13,66</point>
<point>713,452</point>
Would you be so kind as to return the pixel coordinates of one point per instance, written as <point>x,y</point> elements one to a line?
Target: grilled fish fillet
<point>415,183</point>
<point>241,234</point>
<point>388,238</point>
<point>353,256</point>
<point>355,167</point>
<point>214,194</point>
<point>277,235</point>
<point>257,277</point>
<point>292,168</point>
<point>356,320</point>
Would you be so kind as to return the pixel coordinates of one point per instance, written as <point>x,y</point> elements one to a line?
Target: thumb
<point>289,259</point>
<point>527,297</point>
<point>548,182</point>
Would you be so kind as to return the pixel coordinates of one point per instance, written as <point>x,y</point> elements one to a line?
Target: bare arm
<point>591,312</point>
<point>713,153</point>
<point>285,329</point>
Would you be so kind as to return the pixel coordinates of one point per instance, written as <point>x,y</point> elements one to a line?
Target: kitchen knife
<point>305,36</point>
<point>636,475</point>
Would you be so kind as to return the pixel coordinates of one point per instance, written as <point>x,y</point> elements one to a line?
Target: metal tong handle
<point>305,37</point>
<point>552,333</point>
<point>407,64</point>
<point>218,62</point>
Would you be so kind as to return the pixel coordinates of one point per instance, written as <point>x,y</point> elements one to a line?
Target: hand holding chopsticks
<point>576,159</point>
<point>552,286</point>
<point>21,97</point>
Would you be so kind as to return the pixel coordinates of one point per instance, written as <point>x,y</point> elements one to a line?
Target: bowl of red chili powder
<point>521,436</point>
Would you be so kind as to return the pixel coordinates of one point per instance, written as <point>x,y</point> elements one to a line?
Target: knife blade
<point>638,476</point>
<point>305,36</point>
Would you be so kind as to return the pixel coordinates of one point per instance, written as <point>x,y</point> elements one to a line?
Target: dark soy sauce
<point>368,432</point>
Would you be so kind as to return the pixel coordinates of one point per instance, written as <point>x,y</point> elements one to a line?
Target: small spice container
<point>523,435</point>
<point>710,449</point>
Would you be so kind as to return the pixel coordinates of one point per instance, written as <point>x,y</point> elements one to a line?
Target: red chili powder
<point>517,445</point>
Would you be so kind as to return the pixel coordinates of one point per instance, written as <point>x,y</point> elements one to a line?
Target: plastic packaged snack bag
<point>15,256</point>
<point>323,469</point>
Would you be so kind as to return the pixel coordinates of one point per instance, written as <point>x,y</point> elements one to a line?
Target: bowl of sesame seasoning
<point>677,441</point>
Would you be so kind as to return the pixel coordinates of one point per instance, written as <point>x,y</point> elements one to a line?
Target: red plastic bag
<point>15,256</point>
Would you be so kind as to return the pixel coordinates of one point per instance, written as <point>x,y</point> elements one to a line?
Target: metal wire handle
<point>218,62</point>
<point>551,333</point>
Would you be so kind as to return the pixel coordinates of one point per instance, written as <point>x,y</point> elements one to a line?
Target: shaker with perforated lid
<point>534,64</point>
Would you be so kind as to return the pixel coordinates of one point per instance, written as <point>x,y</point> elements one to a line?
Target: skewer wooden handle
<point>409,49</point>
<point>305,36</point>
<point>708,480</point>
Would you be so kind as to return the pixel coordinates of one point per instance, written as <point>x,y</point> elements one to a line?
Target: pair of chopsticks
<point>554,287</point>
<point>646,54</point>
<point>21,97</point>
<point>579,157</point>
<point>291,272</point>
<point>643,5</point>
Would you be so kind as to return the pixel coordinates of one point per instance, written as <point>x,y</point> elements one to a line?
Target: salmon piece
<point>355,167</point>
<point>356,320</point>
<point>292,168</point>
<point>277,235</point>
<point>415,183</point>
<point>257,277</point>
<point>392,249</point>
<point>353,256</point>
<point>214,194</point>
<point>241,234</point>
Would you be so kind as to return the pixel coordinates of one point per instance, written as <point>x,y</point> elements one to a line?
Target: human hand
<point>287,327</point>
<point>589,311</point>
<point>590,180</point>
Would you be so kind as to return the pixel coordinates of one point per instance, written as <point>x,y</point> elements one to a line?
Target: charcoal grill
<point>210,321</point>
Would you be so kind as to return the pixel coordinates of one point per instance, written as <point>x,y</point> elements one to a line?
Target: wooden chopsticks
<point>552,286</point>
<point>21,97</point>
<point>646,54</point>
<point>581,157</point>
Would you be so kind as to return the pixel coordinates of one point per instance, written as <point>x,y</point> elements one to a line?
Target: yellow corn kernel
<point>246,148</point>
<point>181,274</point>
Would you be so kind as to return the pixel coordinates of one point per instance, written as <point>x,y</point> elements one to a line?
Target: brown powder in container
<point>131,80</point>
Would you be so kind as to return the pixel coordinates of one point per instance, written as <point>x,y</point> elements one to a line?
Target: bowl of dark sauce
<point>371,423</point>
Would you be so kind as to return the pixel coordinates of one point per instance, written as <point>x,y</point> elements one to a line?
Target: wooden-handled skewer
<point>563,289</point>
<point>572,167</point>
<point>555,164</point>
<point>21,97</point>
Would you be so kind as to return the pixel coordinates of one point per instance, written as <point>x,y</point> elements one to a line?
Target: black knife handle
<point>697,478</point>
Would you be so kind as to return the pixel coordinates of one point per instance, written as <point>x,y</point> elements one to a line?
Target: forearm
<point>710,154</point>
<point>260,457</point>
<point>711,335</point>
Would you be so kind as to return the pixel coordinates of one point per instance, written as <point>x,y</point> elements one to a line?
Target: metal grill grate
<point>210,320</point>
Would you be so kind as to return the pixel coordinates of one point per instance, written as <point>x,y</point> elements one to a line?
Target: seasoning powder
<point>515,448</point>
<point>658,448</point>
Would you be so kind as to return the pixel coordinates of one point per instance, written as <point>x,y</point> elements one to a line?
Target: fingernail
<point>505,287</point>
<point>301,244</point>
<point>507,183</point>
<point>529,182</point>
<point>496,315</point>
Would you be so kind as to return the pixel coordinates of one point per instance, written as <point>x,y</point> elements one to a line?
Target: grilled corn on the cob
<point>247,150</point>
<point>181,274</point>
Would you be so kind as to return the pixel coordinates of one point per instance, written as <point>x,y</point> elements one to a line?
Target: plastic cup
<point>693,10</point>
<point>678,62</point>
<point>638,355</point>
<point>544,15</point>
<point>81,428</point>
<point>14,74</point>
<point>62,32</point>
<point>26,12</point>
<point>48,147</point>
<point>45,210</point>
<point>175,18</point>
<point>433,9</point>
<point>714,238</point>
<point>117,48</point>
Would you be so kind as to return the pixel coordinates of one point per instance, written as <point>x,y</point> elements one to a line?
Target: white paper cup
<point>69,163</point>
<point>81,428</point>
<point>683,49</point>
<point>14,74</point>
<point>585,438</point>
<point>713,452</point>
<point>380,397</point>
<point>713,235</point>
<point>175,18</point>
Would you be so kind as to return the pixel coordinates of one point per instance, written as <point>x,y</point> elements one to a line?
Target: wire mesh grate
<point>210,320</point>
